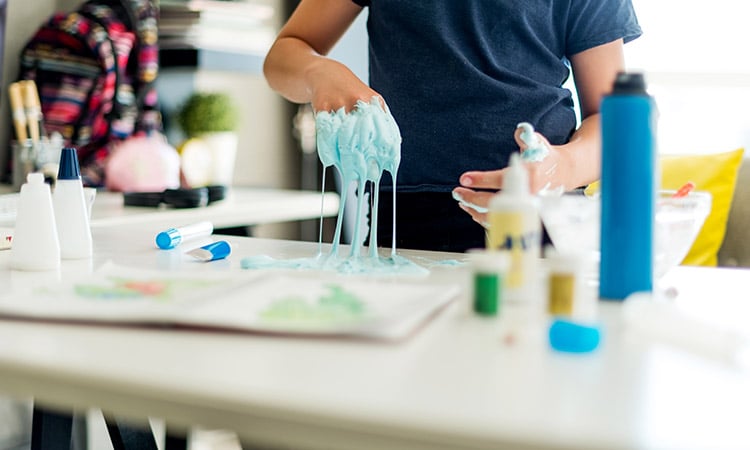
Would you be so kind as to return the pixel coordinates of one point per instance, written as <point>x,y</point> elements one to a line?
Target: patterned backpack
<point>95,69</point>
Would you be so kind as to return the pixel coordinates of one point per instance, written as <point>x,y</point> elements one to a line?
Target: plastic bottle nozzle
<point>516,179</point>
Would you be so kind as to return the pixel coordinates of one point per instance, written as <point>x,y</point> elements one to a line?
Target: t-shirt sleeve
<point>595,22</point>
<point>362,3</point>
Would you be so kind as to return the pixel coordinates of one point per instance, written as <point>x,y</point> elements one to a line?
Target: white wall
<point>264,157</point>
<point>694,54</point>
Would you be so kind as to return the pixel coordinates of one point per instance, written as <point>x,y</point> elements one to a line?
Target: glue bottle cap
<point>489,261</point>
<point>570,261</point>
<point>35,178</point>
<point>69,169</point>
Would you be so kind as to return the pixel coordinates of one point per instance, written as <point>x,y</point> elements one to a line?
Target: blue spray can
<point>628,188</point>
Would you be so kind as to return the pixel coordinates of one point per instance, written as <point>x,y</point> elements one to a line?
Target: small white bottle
<point>35,242</point>
<point>71,213</point>
<point>515,227</point>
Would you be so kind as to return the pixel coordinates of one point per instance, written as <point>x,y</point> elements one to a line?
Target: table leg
<point>80,432</point>
<point>175,442</point>
<point>128,437</point>
<point>50,430</point>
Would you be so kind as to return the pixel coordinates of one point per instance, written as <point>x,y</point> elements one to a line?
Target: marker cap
<point>212,251</point>
<point>168,239</point>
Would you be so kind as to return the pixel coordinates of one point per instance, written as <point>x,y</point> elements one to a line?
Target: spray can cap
<point>629,83</point>
<point>516,180</point>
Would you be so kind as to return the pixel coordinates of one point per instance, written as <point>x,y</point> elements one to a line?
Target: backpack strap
<point>146,13</point>
<point>141,17</point>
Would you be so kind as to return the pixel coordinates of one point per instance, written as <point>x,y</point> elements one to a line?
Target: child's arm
<point>297,67</point>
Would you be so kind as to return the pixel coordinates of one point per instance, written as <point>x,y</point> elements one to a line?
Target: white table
<point>454,384</point>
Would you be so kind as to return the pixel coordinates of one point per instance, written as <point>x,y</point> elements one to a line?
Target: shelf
<point>209,59</point>
<point>216,35</point>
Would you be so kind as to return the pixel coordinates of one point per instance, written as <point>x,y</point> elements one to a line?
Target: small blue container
<point>629,186</point>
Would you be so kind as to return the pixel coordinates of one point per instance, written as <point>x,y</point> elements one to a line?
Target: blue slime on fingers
<point>361,144</point>
<point>535,150</point>
<point>459,198</point>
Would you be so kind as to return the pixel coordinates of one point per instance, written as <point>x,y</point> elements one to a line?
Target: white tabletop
<point>454,384</point>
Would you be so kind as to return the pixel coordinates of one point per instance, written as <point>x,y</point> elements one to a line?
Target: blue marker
<point>172,237</point>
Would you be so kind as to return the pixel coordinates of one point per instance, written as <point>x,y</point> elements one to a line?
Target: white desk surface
<point>454,384</point>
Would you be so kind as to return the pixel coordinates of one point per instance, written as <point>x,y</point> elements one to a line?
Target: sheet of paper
<point>273,303</point>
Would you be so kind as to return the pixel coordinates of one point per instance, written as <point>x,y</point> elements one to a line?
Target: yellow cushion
<point>714,173</point>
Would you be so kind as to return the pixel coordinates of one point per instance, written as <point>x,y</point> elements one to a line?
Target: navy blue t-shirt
<point>459,75</point>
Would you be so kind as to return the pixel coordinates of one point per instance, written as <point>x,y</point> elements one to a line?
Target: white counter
<point>453,384</point>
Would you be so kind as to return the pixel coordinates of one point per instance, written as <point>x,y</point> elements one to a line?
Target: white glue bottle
<point>515,227</point>
<point>35,243</point>
<point>71,213</point>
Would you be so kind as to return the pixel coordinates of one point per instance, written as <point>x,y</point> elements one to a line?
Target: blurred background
<point>695,61</point>
<point>693,53</point>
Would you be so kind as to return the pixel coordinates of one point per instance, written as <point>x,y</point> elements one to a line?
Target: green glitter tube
<point>488,268</point>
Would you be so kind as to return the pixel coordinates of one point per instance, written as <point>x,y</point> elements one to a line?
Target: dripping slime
<point>361,145</point>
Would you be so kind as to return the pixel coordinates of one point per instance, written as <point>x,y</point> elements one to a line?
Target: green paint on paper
<point>336,306</point>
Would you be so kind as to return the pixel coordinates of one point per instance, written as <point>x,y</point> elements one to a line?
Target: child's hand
<point>336,87</point>
<point>544,174</point>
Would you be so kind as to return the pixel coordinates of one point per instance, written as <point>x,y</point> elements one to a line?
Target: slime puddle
<point>378,265</point>
<point>361,145</point>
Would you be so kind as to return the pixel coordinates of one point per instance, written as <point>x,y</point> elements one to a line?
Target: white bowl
<point>572,222</point>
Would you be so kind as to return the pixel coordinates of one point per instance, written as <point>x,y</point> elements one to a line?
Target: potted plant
<point>209,121</point>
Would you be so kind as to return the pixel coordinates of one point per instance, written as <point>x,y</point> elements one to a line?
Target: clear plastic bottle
<point>515,227</point>
<point>71,212</point>
<point>35,242</point>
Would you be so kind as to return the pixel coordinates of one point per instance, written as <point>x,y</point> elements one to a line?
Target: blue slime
<point>361,144</point>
